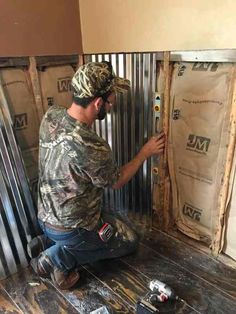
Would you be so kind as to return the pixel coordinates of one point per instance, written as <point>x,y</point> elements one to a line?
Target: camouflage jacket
<point>75,164</point>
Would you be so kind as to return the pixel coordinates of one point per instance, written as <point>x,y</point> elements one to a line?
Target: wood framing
<point>224,190</point>
<point>166,117</point>
<point>36,87</point>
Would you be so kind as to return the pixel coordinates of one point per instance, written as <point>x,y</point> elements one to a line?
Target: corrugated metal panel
<point>128,127</point>
<point>17,212</point>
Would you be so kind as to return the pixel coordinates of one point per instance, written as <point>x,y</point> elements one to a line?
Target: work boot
<point>63,280</point>
<point>36,246</point>
<point>42,265</point>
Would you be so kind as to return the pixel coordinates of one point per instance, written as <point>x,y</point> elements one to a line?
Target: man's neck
<point>81,114</point>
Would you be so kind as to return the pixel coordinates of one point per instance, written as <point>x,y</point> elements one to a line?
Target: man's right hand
<point>154,146</point>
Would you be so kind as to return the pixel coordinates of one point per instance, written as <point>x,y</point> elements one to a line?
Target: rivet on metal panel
<point>155,170</point>
<point>156,176</point>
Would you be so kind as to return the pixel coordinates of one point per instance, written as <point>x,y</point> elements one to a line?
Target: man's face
<point>106,106</point>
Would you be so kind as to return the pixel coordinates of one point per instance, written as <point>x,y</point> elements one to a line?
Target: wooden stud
<point>224,190</point>
<point>166,178</point>
<point>36,87</point>
<point>80,60</point>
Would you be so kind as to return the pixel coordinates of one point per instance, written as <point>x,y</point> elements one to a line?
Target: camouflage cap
<point>94,79</point>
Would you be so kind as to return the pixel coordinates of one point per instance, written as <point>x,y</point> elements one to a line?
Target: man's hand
<point>154,146</point>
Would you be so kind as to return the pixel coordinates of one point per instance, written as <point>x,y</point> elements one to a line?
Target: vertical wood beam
<point>36,87</point>
<point>80,60</point>
<point>217,241</point>
<point>166,114</point>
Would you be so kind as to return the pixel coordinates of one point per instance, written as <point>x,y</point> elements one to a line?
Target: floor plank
<point>215,272</point>
<point>131,285</point>
<point>196,292</point>
<point>32,296</point>
<point>7,305</point>
<point>90,294</point>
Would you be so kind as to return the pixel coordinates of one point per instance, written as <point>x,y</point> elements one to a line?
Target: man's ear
<point>98,103</point>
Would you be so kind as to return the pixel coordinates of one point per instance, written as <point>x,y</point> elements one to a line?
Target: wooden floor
<point>205,285</point>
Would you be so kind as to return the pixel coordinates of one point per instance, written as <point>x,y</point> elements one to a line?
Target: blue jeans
<point>68,249</point>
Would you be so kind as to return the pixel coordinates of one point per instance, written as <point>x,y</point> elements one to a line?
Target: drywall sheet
<point>56,86</point>
<point>39,28</point>
<point>200,106</point>
<point>18,91</point>
<point>157,25</point>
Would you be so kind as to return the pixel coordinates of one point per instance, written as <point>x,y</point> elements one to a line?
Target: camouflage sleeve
<point>99,166</point>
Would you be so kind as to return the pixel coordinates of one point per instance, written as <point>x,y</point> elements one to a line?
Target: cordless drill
<point>160,292</point>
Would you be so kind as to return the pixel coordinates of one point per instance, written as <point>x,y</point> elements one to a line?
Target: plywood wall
<point>34,28</point>
<point>157,25</point>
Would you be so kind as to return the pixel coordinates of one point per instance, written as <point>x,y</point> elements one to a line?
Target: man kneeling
<point>75,165</point>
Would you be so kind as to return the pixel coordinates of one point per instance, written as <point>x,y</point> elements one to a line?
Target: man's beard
<point>102,112</point>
